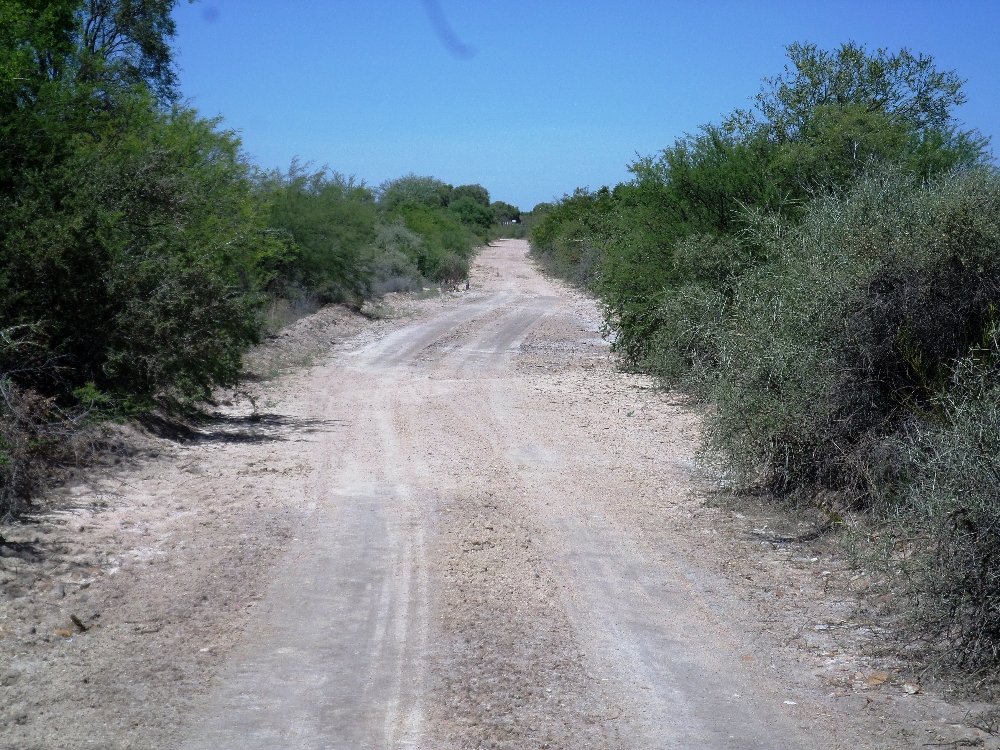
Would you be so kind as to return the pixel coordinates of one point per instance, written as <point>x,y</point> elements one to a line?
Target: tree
<point>473,214</point>
<point>130,244</point>
<point>505,213</point>
<point>844,109</point>
<point>902,86</point>
<point>95,43</point>
<point>477,192</point>
<point>413,190</point>
<point>331,221</point>
<point>36,41</point>
<point>130,40</point>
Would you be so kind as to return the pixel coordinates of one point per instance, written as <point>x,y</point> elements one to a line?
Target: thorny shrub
<point>862,365</point>
<point>34,432</point>
<point>29,435</point>
<point>854,327</point>
<point>935,534</point>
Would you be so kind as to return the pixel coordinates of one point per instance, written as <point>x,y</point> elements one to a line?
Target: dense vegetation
<point>138,245</point>
<point>823,269</point>
<point>346,241</point>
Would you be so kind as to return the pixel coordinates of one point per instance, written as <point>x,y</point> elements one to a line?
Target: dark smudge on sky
<point>445,33</point>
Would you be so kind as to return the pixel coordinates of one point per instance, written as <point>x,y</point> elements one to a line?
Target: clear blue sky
<point>530,99</point>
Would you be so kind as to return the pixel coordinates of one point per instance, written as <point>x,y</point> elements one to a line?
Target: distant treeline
<point>345,242</point>
<point>824,270</point>
<point>139,247</point>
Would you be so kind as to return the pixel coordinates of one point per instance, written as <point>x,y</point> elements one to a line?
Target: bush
<point>475,215</point>
<point>133,248</point>
<point>937,530</point>
<point>858,322</point>
<point>451,268</point>
<point>413,190</point>
<point>141,250</point>
<point>683,349</point>
<point>32,426</point>
<point>330,222</point>
<point>505,213</point>
<point>512,231</point>
<point>422,205</point>
<point>440,235</point>
<point>829,118</point>
<point>825,270</point>
<point>477,193</point>
<point>563,235</point>
<point>29,437</point>
<point>346,242</point>
<point>862,365</point>
<point>395,253</point>
<point>179,331</point>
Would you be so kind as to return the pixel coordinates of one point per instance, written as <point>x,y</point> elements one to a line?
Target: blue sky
<point>530,99</point>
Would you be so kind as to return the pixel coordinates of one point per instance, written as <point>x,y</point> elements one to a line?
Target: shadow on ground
<point>217,428</point>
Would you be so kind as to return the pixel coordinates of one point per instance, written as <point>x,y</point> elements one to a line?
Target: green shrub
<point>396,251</point>
<point>422,205</point>
<point>505,213</point>
<point>829,118</point>
<point>412,189</point>
<point>476,193</point>
<point>139,248</point>
<point>473,214</point>
<point>451,268</point>
<point>683,350</point>
<point>136,244</point>
<point>859,366</point>
<point>825,271</point>
<point>345,242</point>
<point>330,222</point>
<point>828,349</point>
<point>563,235</point>
<point>440,234</point>
<point>515,231</point>
<point>937,529</point>
<point>180,331</point>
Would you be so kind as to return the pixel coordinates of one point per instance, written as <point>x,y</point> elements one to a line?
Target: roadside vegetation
<point>142,253</point>
<point>822,269</point>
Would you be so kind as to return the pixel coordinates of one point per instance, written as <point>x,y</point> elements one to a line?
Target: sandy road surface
<point>470,576</point>
<point>462,529</point>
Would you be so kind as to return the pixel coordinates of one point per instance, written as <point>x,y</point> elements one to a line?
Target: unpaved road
<point>459,529</point>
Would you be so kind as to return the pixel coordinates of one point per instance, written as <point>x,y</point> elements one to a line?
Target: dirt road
<point>462,529</point>
<point>478,572</point>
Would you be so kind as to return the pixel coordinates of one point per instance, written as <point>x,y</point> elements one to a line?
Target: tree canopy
<point>477,192</point>
<point>901,85</point>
